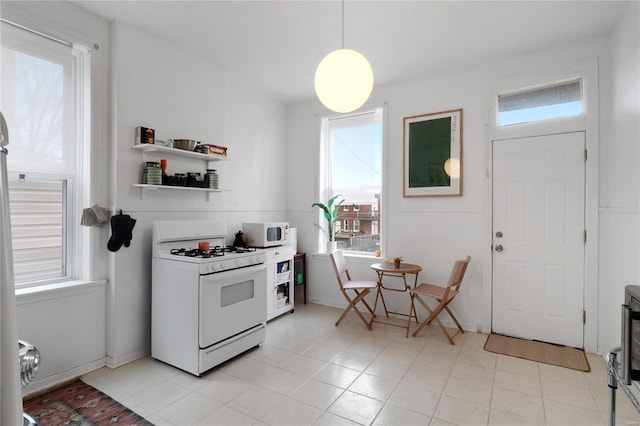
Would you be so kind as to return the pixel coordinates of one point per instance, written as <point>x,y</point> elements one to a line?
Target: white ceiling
<point>276,45</point>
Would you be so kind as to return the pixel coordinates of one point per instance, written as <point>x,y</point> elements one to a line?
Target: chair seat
<point>434,291</point>
<point>360,284</point>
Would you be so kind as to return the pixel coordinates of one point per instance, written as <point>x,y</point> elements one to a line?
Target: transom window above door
<point>541,103</point>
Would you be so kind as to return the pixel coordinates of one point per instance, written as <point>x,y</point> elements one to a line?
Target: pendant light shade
<point>344,80</point>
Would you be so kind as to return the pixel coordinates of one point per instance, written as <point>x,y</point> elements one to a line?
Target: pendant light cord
<point>343,24</point>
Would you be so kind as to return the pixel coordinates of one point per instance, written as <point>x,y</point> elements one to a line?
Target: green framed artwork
<point>432,154</point>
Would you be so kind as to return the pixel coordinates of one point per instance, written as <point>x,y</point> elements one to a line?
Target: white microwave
<point>266,234</point>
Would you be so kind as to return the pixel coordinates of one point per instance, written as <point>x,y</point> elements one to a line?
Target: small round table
<point>390,270</point>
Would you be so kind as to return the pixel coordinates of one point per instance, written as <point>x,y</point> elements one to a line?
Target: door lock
<point>499,234</point>
<point>499,248</point>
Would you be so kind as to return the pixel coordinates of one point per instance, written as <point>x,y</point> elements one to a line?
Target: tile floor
<point>309,372</point>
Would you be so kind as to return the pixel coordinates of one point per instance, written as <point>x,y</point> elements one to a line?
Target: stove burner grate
<point>205,254</point>
<point>237,249</point>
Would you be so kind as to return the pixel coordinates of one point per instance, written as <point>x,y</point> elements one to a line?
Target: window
<point>43,90</point>
<point>543,103</point>
<point>351,166</point>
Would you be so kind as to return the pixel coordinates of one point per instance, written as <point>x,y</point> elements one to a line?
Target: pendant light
<point>344,78</point>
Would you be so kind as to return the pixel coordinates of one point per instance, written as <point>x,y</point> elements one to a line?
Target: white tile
<point>474,373</point>
<point>478,357</point>
<point>387,369</point>
<point>560,414</point>
<point>318,394</point>
<point>553,373</point>
<point>353,360</point>
<point>282,381</point>
<point>515,365</point>
<point>470,392</point>
<point>225,416</point>
<point>415,399</point>
<point>188,410</point>
<point>292,412</point>
<point>329,419</point>
<point>323,352</point>
<point>223,387</point>
<point>358,408</point>
<point>305,365</point>
<point>518,403</point>
<point>579,397</point>
<point>461,412</point>
<point>373,386</point>
<point>427,379</point>
<point>517,382</point>
<point>337,375</point>
<point>249,369</point>
<point>257,402</point>
<point>161,395</point>
<point>498,417</point>
<point>394,415</point>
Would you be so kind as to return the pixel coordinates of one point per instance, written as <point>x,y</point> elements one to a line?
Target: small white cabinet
<point>280,283</point>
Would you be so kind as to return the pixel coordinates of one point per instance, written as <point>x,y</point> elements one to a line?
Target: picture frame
<point>432,154</point>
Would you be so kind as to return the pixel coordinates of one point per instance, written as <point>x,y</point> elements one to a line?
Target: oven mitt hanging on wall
<point>121,231</point>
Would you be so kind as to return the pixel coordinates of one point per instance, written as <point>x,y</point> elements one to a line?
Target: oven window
<point>235,293</point>
<point>274,233</point>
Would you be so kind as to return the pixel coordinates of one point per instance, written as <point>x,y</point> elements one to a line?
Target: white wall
<point>433,232</point>
<point>176,92</point>
<point>620,178</point>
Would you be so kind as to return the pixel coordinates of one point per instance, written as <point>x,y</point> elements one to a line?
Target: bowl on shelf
<point>185,144</point>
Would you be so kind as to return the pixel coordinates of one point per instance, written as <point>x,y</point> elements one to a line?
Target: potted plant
<point>330,212</point>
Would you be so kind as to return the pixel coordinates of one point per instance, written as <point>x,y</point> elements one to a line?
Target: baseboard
<point>116,362</point>
<point>51,382</point>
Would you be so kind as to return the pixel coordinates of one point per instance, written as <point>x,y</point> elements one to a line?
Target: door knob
<point>499,248</point>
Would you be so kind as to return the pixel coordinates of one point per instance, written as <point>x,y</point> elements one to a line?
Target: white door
<point>538,238</point>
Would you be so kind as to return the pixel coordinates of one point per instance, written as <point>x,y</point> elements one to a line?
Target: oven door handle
<point>238,271</point>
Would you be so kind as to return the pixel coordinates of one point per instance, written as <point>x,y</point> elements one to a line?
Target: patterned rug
<point>562,356</point>
<point>79,404</point>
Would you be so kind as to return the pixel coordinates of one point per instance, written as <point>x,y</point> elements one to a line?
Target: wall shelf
<point>180,188</point>
<point>179,152</point>
<point>145,187</point>
<point>164,150</point>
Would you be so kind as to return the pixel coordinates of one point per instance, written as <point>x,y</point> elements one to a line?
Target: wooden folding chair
<point>360,288</point>
<point>444,296</point>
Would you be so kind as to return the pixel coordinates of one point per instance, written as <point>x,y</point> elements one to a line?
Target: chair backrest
<point>339,266</point>
<point>457,274</point>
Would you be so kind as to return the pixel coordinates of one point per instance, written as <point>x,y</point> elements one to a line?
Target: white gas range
<point>208,304</point>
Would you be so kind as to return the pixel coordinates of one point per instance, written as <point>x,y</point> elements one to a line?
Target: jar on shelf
<point>212,179</point>
<point>151,173</point>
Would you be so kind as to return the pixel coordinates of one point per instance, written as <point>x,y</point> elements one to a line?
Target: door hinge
<point>585,155</point>
<point>584,317</point>
<point>585,235</point>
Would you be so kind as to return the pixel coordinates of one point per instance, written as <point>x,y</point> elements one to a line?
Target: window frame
<point>380,114</point>
<point>77,263</point>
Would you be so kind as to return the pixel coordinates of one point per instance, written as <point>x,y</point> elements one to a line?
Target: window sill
<point>49,291</point>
